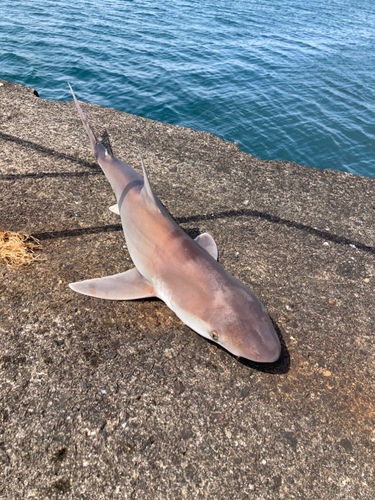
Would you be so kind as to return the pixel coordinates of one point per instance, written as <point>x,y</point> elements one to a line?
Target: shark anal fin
<point>115,209</point>
<point>129,285</point>
<point>207,242</point>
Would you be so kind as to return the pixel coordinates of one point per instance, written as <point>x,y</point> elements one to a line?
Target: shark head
<point>246,338</point>
<point>239,322</point>
<point>243,327</point>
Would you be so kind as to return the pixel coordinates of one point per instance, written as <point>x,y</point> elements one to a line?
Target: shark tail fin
<point>93,139</point>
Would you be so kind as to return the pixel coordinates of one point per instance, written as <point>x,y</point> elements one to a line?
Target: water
<point>286,79</point>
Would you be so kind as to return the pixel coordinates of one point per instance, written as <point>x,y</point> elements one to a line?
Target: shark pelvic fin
<point>129,285</point>
<point>115,209</point>
<point>207,242</point>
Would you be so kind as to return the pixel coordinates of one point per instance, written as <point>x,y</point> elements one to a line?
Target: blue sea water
<point>286,79</point>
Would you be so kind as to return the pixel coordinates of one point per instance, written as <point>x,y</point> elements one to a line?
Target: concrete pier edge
<point>120,400</point>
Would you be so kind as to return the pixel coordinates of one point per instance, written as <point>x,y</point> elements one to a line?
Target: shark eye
<point>214,335</point>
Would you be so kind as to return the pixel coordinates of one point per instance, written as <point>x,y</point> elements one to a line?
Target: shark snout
<point>261,345</point>
<point>269,354</point>
<point>268,346</point>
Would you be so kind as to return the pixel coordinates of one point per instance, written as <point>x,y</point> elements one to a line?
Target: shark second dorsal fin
<point>207,242</point>
<point>147,192</point>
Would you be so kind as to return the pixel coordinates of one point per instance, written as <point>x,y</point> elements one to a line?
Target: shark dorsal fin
<point>147,190</point>
<point>207,242</point>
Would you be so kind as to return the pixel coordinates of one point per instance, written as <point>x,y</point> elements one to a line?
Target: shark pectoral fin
<point>114,209</point>
<point>124,286</point>
<point>207,242</point>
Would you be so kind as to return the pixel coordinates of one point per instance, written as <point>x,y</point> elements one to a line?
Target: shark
<point>181,271</point>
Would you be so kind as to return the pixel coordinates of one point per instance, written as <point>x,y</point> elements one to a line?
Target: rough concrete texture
<point>181,418</point>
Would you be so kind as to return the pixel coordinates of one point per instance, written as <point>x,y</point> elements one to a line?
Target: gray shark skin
<point>182,272</point>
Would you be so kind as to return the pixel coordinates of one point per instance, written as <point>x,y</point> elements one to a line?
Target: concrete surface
<point>180,418</point>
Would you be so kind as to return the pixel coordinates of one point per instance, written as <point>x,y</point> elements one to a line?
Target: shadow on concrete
<point>69,233</point>
<point>51,175</point>
<point>47,151</point>
<point>325,235</point>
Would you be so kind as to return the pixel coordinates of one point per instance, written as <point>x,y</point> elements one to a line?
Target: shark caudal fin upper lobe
<point>95,143</point>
